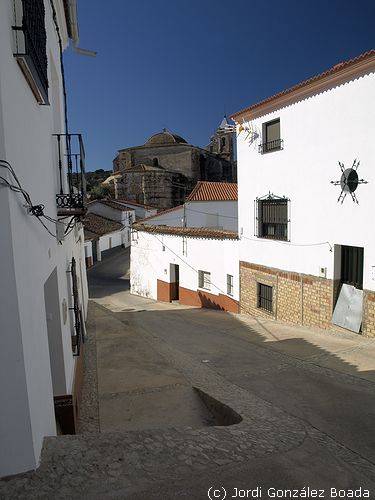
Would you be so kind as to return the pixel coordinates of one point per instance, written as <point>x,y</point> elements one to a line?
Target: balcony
<point>268,147</point>
<point>71,199</point>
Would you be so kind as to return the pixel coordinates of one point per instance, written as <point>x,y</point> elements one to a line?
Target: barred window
<point>30,41</point>
<point>265,297</point>
<point>272,217</point>
<point>204,280</point>
<point>229,284</point>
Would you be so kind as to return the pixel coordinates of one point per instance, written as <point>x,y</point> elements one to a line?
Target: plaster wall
<point>112,240</point>
<point>151,257</point>
<point>318,131</point>
<point>30,254</point>
<point>124,217</point>
<point>216,214</point>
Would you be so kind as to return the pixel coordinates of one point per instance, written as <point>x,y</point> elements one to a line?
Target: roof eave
<point>307,88</point>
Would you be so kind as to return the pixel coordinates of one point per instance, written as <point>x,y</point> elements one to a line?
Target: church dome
<point>164,137</point>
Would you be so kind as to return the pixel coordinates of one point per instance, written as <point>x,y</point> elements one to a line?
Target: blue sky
<point>182,64</point>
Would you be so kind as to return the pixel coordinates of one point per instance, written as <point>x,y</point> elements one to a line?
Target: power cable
<point>37,210</point>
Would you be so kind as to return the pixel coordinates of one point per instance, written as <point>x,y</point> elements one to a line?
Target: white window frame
<point>230,286</point>
<point>204,280</point>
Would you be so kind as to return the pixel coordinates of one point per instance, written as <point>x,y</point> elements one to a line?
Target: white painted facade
<point>125,217</point>
<point>215,214</point>
<point>332,125</point>
<point>141,211</point>
<point>36,360</point>
<point>153,254</point>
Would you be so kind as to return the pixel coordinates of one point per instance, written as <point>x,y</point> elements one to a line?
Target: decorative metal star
<point>349,181</point>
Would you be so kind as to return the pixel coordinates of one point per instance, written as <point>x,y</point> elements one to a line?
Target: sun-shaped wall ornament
<point>349,181</point>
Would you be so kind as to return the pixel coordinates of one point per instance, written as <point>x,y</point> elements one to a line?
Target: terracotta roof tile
<point>214,191</point>
<point>195,232</point>
<point>331,71</point>
<point>98,225</point>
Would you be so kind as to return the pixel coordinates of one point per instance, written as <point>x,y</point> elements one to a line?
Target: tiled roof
<point>214,191</point>
<point>195,232</point>
<point>162,212</point>
<point>97,225</point>
<point>332,71</point>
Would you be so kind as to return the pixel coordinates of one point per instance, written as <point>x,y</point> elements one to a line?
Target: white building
<point>141,210</point>
<point>107,225</point>
<point>303,237</point>
<point>190,253</point>
<point>210,204</point>
<point>43,291</point>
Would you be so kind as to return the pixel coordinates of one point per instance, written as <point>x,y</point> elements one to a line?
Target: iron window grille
<point>265,293</point>
<point>271,140</point>
<point>272,217</point>
<point>78,336</point>
<point>229,284</point>
<point>30,42</point>
<point>71,198</point>
<point>204,280</point>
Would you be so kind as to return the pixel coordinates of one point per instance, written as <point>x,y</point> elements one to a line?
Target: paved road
<point>325,380</point>
<point>306,398</point>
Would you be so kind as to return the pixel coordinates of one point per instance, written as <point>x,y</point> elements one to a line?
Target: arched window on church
<point>155,162</point>
<point>222,144</point>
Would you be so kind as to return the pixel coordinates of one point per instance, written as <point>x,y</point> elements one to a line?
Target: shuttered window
<point>204,280</point>
<point>272,218</point>
<point>271,139</point>
<point>229,284</point>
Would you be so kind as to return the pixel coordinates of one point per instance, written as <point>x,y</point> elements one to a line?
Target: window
<point>271,137</point>
<point>222,144</point>
<point>229,284</point>
<point>204,280</point>
<point>265,297</point>
<point>272,217</point>
<point>30,41</point>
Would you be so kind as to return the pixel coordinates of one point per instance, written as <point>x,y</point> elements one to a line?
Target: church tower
<point>223,141</point>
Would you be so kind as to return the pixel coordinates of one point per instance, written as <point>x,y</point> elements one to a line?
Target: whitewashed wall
<point>29,254</point>
<point>123,216</point>
<point>140,211</point>
<point>216,214</point>
<point>112,240</point>
<point>149,262</point>
<point>335,125</point>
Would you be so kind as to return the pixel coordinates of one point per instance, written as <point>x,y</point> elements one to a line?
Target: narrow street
<point>178,400</point>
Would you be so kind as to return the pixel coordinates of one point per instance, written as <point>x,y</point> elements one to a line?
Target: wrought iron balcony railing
<point>71,164</point>
<point>267,147</point>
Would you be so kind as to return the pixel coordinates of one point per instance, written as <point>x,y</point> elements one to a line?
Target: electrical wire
<point>288,243</point>
<point>209,213</point>
<point>37,210</point>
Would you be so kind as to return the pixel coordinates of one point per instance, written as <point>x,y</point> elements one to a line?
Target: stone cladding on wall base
<point>297,298</point>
